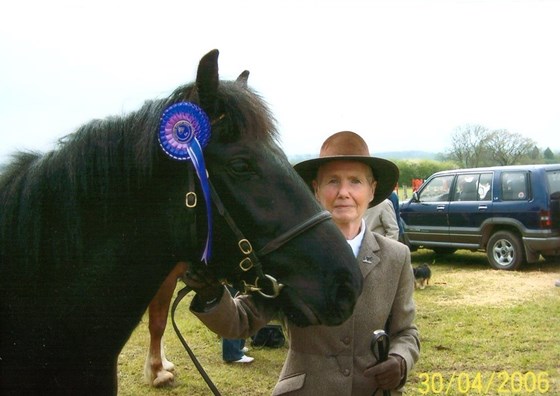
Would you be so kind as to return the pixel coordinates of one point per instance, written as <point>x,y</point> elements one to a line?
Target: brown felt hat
<point>348,145</point>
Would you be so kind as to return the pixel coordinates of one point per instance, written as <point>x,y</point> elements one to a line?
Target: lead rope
<point>180,294</point>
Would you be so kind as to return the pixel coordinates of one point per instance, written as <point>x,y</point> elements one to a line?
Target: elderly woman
<point>338,360</point>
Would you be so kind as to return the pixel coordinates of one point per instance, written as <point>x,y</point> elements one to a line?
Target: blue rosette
<point>184,131</point>
<point>180,124</point>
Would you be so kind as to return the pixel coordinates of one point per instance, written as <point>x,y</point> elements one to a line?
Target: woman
<point>338,360</point>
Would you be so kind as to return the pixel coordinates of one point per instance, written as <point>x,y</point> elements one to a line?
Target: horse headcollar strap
<point>184,131</point>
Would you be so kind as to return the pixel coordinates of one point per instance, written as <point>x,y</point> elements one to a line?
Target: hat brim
<point>385,172</point>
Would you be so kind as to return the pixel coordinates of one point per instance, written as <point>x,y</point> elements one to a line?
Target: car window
<point>514,186</point>
<point>473,187</point>
<point>437,189</point>
<point>485,187</point>
<point>466,188</point>
<point>553,181</point>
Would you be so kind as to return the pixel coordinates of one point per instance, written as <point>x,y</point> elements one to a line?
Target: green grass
<point>483,332</point>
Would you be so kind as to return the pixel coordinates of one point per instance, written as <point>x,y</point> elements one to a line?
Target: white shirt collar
<point>356,242</point>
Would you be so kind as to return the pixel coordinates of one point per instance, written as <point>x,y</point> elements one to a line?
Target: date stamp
<point>502,382</point>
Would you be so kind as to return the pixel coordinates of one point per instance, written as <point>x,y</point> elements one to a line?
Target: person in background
<point>382,219</point>
<point>234,349</point>
<point>337,360</point>
<point>394,198</point>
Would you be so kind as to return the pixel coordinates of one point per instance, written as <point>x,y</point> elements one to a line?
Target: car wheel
<point>505,251</point>
<point>442,250</point>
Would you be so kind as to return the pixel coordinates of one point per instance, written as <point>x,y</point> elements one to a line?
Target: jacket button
<point>346,340</point>
<point>346,372</point>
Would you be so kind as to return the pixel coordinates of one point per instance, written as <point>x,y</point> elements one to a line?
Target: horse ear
<point>207,81</point>
<point>242,79</point>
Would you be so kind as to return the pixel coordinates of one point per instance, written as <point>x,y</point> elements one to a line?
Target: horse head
<point>291,239</point>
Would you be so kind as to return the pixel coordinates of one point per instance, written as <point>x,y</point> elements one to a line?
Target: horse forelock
<point>249,113</point>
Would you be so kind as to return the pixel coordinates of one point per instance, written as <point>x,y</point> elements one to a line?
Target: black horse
<point>90,230</point>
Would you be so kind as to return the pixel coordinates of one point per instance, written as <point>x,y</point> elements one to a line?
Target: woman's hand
<point>387,375</point>
<point>199,278</point>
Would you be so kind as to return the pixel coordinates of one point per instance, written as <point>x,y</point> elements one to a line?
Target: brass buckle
<point>246,264</point>
<point>190,199</point>
<point>245,246</point>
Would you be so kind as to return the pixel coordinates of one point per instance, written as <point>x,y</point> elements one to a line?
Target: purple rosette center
<point>183,131</point>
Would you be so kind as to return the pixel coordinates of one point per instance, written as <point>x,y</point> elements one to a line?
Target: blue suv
<point>511,212</point>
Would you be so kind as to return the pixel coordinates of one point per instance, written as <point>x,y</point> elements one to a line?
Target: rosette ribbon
<point>184,131</point>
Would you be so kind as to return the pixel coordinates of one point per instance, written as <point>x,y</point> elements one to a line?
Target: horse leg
<point>157,369</point>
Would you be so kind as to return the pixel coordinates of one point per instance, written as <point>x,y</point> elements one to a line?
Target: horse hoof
<point>163,378</point>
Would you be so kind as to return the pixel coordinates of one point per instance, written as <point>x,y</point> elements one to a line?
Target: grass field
<point>483,332</point>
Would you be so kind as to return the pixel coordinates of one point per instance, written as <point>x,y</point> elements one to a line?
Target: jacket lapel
<point>367,256</point>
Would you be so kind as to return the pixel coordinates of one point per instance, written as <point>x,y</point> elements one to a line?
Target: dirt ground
<point>492,287</point>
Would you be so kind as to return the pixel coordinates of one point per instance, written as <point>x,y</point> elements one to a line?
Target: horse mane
<point>44,197</point>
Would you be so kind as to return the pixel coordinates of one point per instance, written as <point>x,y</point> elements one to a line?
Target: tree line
<point>474,146</point>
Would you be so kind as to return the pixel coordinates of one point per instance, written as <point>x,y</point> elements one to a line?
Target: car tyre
<point>505,251</point>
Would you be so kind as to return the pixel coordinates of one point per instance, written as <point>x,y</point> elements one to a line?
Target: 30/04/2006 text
<point>475,383</point>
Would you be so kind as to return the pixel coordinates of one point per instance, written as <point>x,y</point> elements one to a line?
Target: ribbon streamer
<point>197,158</point>
<point>184,131</point>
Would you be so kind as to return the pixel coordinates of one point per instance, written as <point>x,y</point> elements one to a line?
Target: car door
<point>425,216</point>
<point>470,206</point>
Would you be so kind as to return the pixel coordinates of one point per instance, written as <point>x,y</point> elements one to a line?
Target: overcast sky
<point>404,74</point>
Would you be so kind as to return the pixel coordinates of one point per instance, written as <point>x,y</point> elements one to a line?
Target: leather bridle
<point>251,259</point>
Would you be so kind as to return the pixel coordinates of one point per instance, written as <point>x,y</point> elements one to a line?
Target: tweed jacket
<point>382,219</point>
<point>324,360</point>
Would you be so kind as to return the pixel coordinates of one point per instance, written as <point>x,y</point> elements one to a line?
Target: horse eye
<point>240,166</point>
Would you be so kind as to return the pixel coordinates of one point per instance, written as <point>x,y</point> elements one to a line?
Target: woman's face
<point>345,188</point>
